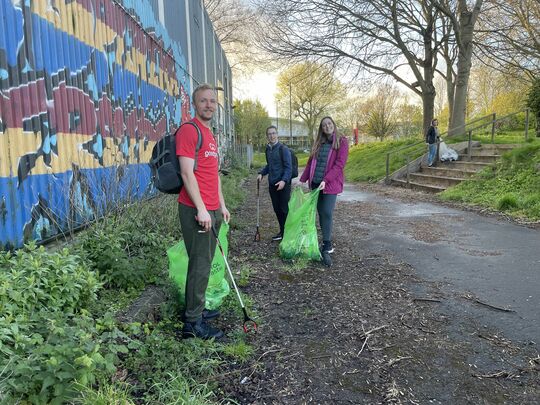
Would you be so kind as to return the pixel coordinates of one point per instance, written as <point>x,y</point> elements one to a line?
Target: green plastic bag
<point>300,235</point>
<point>218,287</point>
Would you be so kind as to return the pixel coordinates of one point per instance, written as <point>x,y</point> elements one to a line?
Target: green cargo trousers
<point>200,248</point>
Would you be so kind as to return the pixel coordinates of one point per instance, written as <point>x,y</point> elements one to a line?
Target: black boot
<point>201,330</point>
<point>327,260</point>
<point>327,247</point>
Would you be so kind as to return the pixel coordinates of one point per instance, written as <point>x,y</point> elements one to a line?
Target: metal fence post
<point>408,177</point>
<point>387,181</point>
<point>469,147</point>
<point>526,124</point>
<point>493,128</point>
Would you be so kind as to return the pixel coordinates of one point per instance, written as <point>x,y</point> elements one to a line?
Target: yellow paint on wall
<point>103,34</point>
<point>70,151</point>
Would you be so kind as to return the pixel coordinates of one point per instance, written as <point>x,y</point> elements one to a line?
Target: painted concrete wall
<point>86,89</point>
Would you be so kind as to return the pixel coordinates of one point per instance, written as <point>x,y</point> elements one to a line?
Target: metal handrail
<point>469,131</point>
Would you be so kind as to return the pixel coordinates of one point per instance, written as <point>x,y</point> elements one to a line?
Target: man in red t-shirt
<point>201,207</point>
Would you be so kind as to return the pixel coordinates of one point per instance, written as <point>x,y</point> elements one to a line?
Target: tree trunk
<point>428,107</point>
<point>430,62</point>
<point>450,88</point>
<point>467,20</point>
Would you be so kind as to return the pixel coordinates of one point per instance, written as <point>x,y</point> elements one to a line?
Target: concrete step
<point>464,165</point>
<point>500,146</point>
<point>483,158</point>
<point>480,151</point>
<point>492,149</point>
<point>442,181</point>
<point>443,170</point>
<point>417,186</point>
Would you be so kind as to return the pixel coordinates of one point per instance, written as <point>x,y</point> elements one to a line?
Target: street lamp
<point>290,112</point>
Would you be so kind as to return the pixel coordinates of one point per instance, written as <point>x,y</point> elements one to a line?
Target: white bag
<point>446,153</point>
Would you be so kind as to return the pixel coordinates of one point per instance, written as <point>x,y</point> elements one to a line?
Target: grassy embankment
<point>511,186</point>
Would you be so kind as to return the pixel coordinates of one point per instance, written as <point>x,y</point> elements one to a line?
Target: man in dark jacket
<point>432,137</point>
<point>279,170</point>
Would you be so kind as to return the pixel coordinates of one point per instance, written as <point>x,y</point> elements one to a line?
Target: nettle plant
<point>125,254</point>
<point>48,340</point>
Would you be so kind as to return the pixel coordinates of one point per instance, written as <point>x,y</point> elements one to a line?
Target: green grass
<point>233,193</point>
<point>512,186</point>
<point>501,137</point>
<point>367,162</point>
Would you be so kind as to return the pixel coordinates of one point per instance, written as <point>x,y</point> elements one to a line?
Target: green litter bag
<point>300,235</point>
<point>218,287</point>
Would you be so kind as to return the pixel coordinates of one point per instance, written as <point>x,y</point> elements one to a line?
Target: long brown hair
<point>321,138</point>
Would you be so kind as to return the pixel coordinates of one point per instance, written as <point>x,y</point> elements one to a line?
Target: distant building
<point>300,132</point>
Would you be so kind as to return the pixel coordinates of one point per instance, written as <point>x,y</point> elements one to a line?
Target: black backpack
<point>294,160</point>
<point>164,162</point>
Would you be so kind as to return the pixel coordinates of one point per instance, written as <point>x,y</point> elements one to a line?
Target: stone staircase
<point>447,174</point>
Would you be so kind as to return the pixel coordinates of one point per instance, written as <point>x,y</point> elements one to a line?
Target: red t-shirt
<point>206,172</point>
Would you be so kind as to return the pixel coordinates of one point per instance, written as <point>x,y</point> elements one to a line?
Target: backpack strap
<point>199,141</point>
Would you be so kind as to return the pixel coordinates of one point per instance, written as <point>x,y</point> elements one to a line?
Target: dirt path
<point>372,328</point>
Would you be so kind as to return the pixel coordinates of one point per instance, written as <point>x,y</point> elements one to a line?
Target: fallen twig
<point>504,374</point>
<point>391,362</point>
<point>365,334</point>
<point>363,345</point>
<point>493,306</point>
<point>268,352</point>
<point>355,371</point>
<point>426,299</point>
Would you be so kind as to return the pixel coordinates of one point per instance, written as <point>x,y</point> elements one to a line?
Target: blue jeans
<point>432,153</point>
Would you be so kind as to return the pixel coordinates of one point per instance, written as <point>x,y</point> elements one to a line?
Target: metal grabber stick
<point>257,233</point>
<point>247,319</point>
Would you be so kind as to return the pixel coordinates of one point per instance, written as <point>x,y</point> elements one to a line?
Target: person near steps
<point>432,138</point>
<point>279,170</point>
<point>201,206</point>
<point>324,170</point>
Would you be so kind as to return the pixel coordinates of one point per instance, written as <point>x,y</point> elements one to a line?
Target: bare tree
<point>234,21</point>
<point>381,112</point>
<point>398,39</point>
<point>510,35</point>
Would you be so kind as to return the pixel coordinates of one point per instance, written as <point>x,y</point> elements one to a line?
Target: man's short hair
<point>270,127</point>
<point>433,120</point>
<point>201,87</point>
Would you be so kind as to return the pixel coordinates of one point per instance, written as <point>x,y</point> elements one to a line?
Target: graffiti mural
<point>85,92</point>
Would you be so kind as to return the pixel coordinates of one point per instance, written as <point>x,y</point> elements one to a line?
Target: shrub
<point>47,336</point>
<point>507,201</point>
<point>33,279</point>
<point>124,255</point>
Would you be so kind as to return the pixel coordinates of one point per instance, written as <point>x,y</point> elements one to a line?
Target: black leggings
<point>325,208</point>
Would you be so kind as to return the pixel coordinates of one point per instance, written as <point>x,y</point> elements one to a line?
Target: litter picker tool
<point>257,233</point>
<point>247,319</point>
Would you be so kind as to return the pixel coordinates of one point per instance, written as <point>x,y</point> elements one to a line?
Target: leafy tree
<point>409,119</point>
<point>534,103</point>
<point>310,90</point>
<point>348,114</point>
<point>251,120</point>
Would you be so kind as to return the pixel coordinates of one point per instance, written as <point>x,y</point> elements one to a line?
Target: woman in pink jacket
<point>324,170</point>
